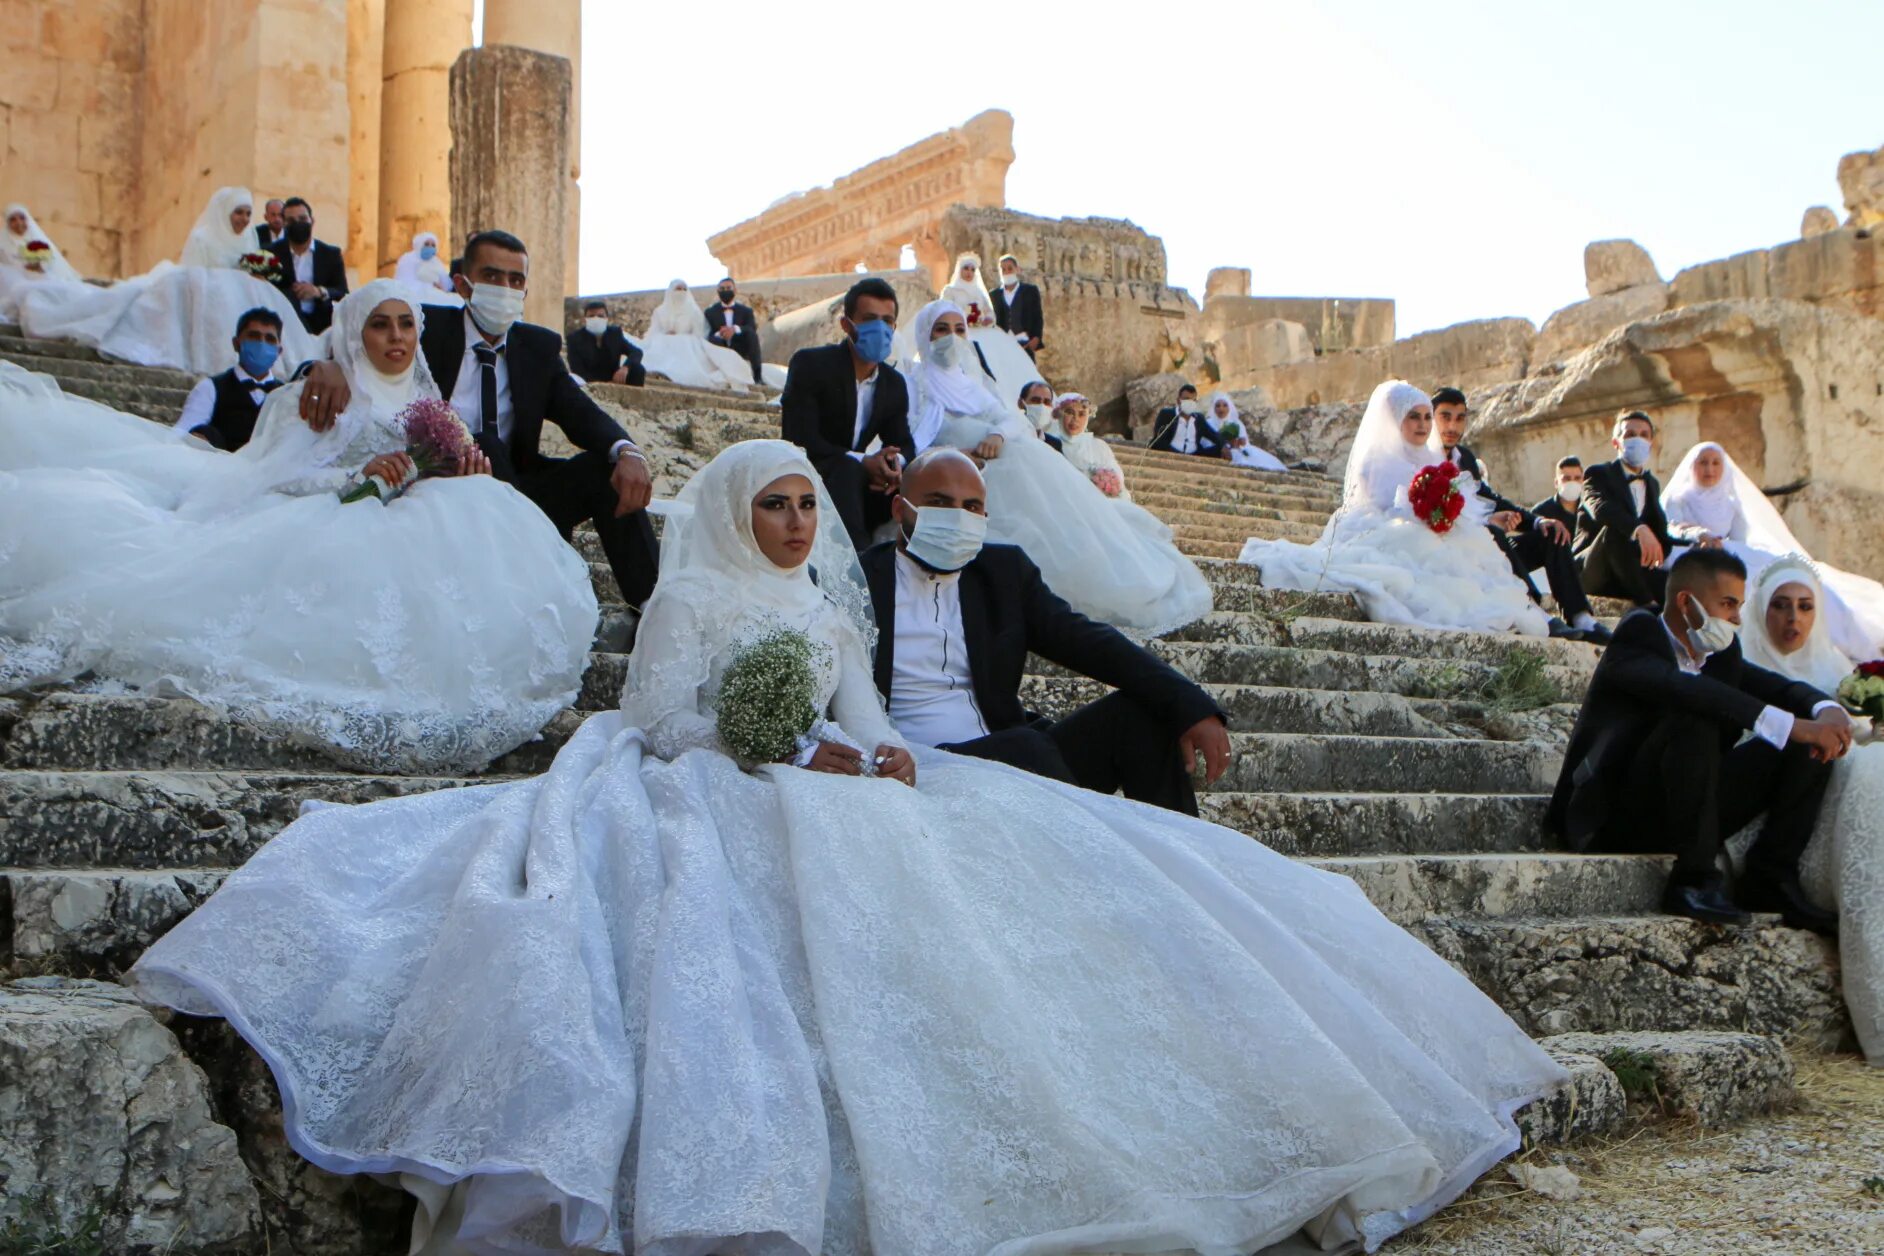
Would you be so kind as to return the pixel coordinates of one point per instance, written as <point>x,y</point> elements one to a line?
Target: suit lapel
<point>880,575</point>
<point>443,345</point>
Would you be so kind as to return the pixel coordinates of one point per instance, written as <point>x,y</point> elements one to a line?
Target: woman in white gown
<point>432,633</point>
<point>651,1002</point>
<point>1071,413</point>
<point>1112,560</point>
<point>183,317</point>
<point>1402,571</point>
<point>1246,454</point>
<point>1007,368</point>
<point>22,269</point>
<point>427,273</point>
<point>676,346</point>
<point>1843,866</point>
<point>1711,501</point>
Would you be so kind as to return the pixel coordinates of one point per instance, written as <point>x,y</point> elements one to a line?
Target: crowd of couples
<point>661,997</point>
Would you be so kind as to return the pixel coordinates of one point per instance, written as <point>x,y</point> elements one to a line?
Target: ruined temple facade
<point>869,215</point>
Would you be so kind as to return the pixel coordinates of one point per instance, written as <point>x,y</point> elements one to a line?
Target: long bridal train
<point>651,1002</point>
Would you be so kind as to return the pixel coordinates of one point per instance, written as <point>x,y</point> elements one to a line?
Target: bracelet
<point>630,451</point>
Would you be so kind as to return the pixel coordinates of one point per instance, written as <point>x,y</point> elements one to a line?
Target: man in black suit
<point>955,623</point>
<point>221,410</point>
<point>1562,505</point>
<point>840,398</point>
<point>1183,429</point>
<point>1017,308</point>
<point>273,223</point>
<point>505,378</point>
<point>1036,402</point>
<point>734,326</point>
<point>1622,535</point>
<point>1528,541</point>
<point>313,273</point>
<point>1656,761</point>
<point>600,353</point>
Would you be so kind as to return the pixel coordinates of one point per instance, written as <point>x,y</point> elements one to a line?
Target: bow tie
<point>267,385</point>
<point>1631,479</point>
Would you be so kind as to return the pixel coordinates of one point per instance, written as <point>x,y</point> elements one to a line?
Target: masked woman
<point>1004,367</point>
<point>676,346</point>
<point>422,267</point>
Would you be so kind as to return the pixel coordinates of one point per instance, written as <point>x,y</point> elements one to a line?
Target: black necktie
<point>488,439</point>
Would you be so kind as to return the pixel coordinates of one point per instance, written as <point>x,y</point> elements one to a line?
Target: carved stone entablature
<point>870,214</point>
<point>1083,248</point>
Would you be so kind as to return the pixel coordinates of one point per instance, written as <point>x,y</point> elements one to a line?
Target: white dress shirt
<point>932,692</point>
<point>1184,437</point>
<point>304,271</point>
<point>726,316</point>
<point>1774,727</point>
<point>200,406</point>
<point>866,397</point>
<point>467,392</point>
<point>1638,489</point>
<point>1008,292</point>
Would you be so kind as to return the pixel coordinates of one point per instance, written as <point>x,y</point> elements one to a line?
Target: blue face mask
<point>428,251</point>
<point>874,340</point>
<point>1636,450</point>
<point>257,356</point>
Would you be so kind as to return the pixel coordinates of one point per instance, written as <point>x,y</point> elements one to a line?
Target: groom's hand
<point>632,486</point>
<point>324,395</point>
<point>1209,737</point>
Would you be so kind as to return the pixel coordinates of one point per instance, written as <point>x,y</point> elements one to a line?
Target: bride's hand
<point>836,759</point>
<point>896,763</point>
<point>395,469</point>
<point>989,448</point>
<point>474,462</point>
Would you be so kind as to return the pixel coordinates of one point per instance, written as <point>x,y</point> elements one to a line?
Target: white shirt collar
<point>1683,659</point>
<point>256,380</point>
<point>916,571</point>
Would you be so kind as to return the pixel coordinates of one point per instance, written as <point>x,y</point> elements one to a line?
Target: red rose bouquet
<point>436,440</point>
<point>36,253</point>
<point>264,266</point>
<point>1107,481</point>
<point>1863,690</point>
<point>1435,496</point>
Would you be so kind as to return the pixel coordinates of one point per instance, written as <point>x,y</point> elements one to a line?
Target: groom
<point>1656,762</point>
<point>956,621</point>
<point>1623,543</point>
<point>505,377</point>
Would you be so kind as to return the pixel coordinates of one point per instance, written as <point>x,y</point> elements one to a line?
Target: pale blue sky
<point>1453,156</point>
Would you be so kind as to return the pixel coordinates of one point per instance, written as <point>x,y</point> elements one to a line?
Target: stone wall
<point>1473,356</point>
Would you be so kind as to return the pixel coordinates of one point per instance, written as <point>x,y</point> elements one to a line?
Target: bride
<point>1710,499</point>
<point>430,634</point>
<point>676,346</point>
<point>1402,571</point>
<point>1112,560</point>
<point>1006,367</point>
<point>651,1002</point>
<point>28,258</point>
<point>183,317</point>
<point>1071,413</point>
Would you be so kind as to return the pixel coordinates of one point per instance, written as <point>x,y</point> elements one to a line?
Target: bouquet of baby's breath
<point>768,697</point>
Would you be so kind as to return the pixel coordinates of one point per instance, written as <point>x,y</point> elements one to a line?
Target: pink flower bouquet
<point>436,440</point>
<point>1108,481</point>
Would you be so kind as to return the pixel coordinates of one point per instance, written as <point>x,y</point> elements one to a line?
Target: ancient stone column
<point>366,45</point>
<point>510,126</point>
<point>422,39</point>
<point>555,27</point>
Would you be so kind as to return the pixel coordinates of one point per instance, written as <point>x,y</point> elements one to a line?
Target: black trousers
<point>1612,567</point>
<point>1687,795</point>
<point>1531,550</point>
<point>572,490</point>
<point>1113,745</point>
<point>861,507</point>
<point>745,343</point>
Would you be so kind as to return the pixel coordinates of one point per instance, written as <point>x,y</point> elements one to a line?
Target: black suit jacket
<point>1607,503</point>
<point>1468,463</point>
<point>1025,315</point>
<point>1164,428</point>
<point>598,360</point>
<point>265,234</point>
<point>818,412</point>
<point>1552,507</point>
<point>743,318</point>
<point>330,275</point>
<point>540,389</point>
<point>1635,685</point>
<point>1007,612</point>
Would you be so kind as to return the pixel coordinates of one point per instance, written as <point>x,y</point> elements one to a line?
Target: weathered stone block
<point>1575,328</point>
<point>1817,221</point>
<point>1714,1077</point>
<point>1226,281</point>
<point>1861,179</point>
<point>1591,1102</point>
<point>1258,346</point>
<point>1612,265</point>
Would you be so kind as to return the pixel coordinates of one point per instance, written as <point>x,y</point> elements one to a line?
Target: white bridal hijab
<point>1382,461</point>
<point>54,267</point>
<point>944,391</point>
<point>1818,662</point>
<point>964,290</point>
<point>413,268</point>
<point>678,314</point>
<point>212,241</point>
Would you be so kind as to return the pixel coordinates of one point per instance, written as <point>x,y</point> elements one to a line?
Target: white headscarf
<point>941,392</point>
<point>1382,461</point>
<point>413,268</point>
<point>212,241</point>
<point>1235,415</point>
<point>387,394</point>
<point>53,267</point>
<point>964,291</point>
<point>1818,662</point>
<point>678,314</point>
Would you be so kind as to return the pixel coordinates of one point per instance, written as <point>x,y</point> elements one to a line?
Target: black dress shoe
<point>1598,634</point>
<point>1788,898</point>
<point>1563,631</point>
<point>1705,903</point>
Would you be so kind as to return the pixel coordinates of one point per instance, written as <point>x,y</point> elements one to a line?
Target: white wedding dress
<point>1842,868</point>
<point>182,316</point>
<point>1111,560</point>
<point>1750,527</point>
<point>1009,369</point>
<point>430,634</point>
<point>1402,571</point>
<point>676,346</point>
<point>16,279</point>
<point>651,1002</point>
<point>1090,455</point>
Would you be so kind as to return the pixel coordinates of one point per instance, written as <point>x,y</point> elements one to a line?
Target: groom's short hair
<point>1626,417</point>
<point>1698,568</point>
<point>1448,397</point>
<point>1570,461</point>
<point>877,289</point>
<point>260,314</point>
<point>495,239</point>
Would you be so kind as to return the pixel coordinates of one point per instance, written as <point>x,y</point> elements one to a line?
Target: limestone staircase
<point>1390,755</point>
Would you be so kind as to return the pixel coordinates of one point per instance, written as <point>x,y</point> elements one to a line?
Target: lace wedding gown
<point>1009,369</point>
<point>1402,571</point>
<point>649,1001</point>
<point>676,346</point>
<point>430,634</point>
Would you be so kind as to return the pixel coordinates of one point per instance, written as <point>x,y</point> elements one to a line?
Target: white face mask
<point>1039,415</point>
<point>1190,408</point>
<point>595,326</point>
<point>495,307</point>
<point>1009,281</point>
<point>1636,449</point>
<point>945,538</point>
<point>946,351</point>
<point>1711,635</point>
<point>1571,492</point>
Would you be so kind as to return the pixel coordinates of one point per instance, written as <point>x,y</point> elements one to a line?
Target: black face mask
<point>726,295</point>
<point>300,232</point>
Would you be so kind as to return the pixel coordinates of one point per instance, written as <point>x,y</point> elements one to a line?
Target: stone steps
<point>1332,824</point>
<point>1195,508</point>
<point>69,361</point>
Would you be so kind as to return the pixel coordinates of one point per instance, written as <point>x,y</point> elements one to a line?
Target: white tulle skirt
<point>1013,369</point>
<point>183,317</point>
<point>695,362</point>
<point>670,1007</point>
